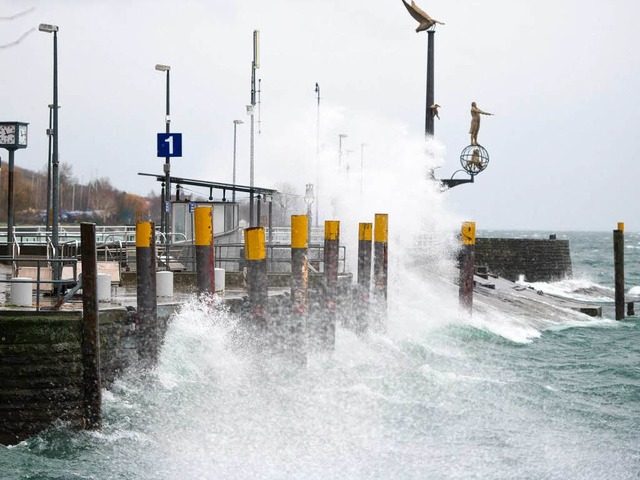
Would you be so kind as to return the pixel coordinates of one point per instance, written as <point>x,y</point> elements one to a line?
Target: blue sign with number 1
<point>169,145</point>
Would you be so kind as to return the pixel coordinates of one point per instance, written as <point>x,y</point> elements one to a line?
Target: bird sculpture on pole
<point>424,20</point>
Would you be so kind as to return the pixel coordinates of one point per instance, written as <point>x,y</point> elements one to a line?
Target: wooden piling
<point>364,278</point>
<point>256,256</point>
<point>618,261</point>
<point>297,331</point>
<point>326,334</point>
<point>90,329</point>
<point>146,294</point>
<point>467,265</point>
<point>299,267</point>
<point>380,267</point>
<point>205,265</point>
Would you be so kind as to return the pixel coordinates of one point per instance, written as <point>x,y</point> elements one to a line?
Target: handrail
<point>38,280</point>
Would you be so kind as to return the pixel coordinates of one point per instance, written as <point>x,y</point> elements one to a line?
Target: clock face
<point>7,134</point>
<point>22,135</point>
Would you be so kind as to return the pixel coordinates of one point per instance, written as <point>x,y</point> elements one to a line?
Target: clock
<point>7,134</point>
<point>22,135</point>
<point>13,135</point>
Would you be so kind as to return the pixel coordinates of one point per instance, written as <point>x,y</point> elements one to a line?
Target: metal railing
<point>117,244</point>
<point>43,265</point>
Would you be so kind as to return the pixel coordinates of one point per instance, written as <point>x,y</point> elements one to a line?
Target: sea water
<point>439,395</point>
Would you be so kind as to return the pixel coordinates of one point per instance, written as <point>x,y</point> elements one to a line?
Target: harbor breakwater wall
<point>41,370</point>
<point>539,260</point>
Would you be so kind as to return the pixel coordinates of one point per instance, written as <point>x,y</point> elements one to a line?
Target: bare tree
<point>25,34</point>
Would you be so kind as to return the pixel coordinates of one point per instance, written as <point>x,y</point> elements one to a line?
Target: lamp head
<point>45,27</point>
<point>163,68</point>
<point>238,122</point>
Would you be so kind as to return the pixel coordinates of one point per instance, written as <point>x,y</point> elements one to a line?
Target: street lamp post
<point>233,193</point>
<point>166,207</point>
<point>317,151</point>
<point>341,136</point>
<point>362,145</point>
<point>235,126</point>
<point>308,199</point>
<point>55,193</point>
<point>50,135</point>
<point>255,64</point>
<point>50,138</point>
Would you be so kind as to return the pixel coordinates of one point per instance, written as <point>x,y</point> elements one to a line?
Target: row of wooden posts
<point>257,285</point>
<point>373,239</point>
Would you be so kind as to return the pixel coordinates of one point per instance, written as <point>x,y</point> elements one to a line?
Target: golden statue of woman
<point>475,122</point>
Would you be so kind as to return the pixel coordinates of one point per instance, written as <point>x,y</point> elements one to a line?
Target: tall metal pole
<point>55,163</point>
<point>235,125</point>
<point>340,137</point>
<point>10,206</point>
<point>317,155</point>
<point>255,64</point>
<point>50,135</point>
<point>362,145</point>
<point>166,192</point>
<point>428,121</point>
<point>167,181</point>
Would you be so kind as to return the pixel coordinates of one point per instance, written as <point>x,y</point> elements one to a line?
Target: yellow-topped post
<point>467,264</point>
<point>256,256</point>
<point>325,331</point>
<point>146,293</point>
<point>468,233</point>
<point>295,334</point>
<point>365,235</point>
<point>618,263</point>
<point>205,259</point>
<point>380,266</point>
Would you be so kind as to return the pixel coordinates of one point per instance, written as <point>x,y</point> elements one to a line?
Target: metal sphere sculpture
<point>474,159</point>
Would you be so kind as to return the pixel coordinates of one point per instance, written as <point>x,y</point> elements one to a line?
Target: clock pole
<point>10,207</point>
<point>13,136</point>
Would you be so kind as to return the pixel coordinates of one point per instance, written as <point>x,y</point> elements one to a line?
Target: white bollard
<point>164,284</point>
<point>219,279</point>
<point>21,292</point>
<point>104,287</point>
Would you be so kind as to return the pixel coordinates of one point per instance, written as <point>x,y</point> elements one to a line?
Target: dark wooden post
<point>299,287</point>
<point>380,267</point>
<point>618,261</point>
<point>90,329</point>
<point>205,265</point>
<point>146,293</point>
<point>256,256</point>
<point>327,322</point>
<point>467,265</point>
<point>364,277</point>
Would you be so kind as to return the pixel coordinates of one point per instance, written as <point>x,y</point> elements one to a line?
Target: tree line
<point>98,201</point>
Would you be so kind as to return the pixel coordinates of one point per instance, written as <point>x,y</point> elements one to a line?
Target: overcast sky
<point>561,77</point>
